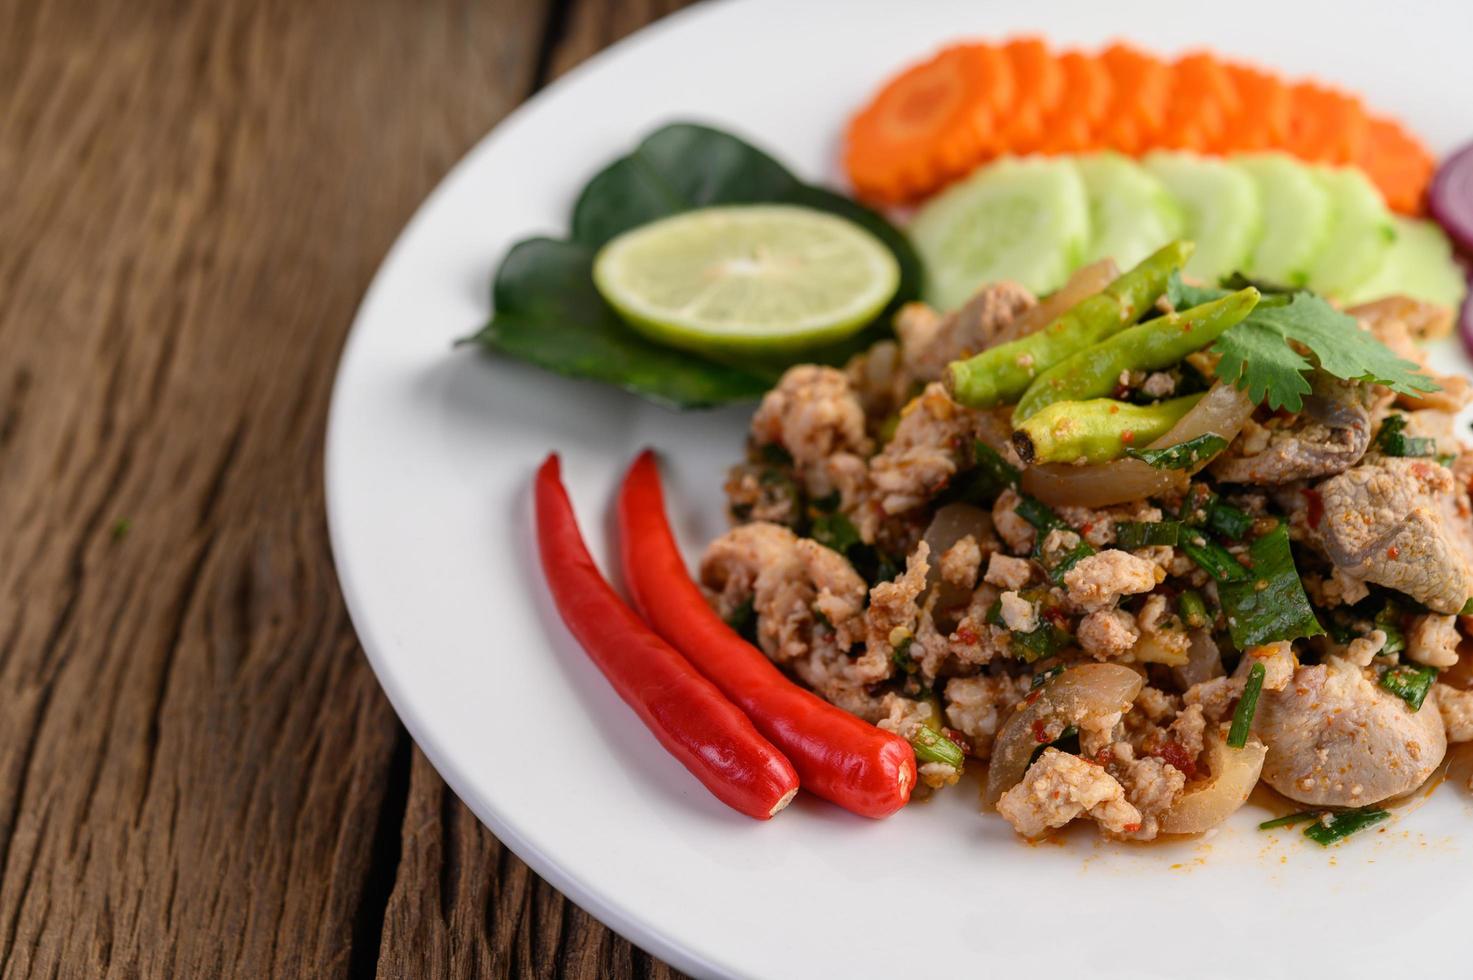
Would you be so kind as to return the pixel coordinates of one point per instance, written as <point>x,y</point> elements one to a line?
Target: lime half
<point>747,279</point>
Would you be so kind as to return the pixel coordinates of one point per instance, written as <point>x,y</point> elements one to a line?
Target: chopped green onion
<point>1467,609</point>
<point>1247,706</point>
<point>1044,521</point>
<point>743,620</point>
<point>773,454</point>
<point>1388,621</point>
<point>1393,441</point>
<point>1131,535</point>
<point>1334,827</point>
<point>1193,609</point>
<point>1410,683</point>
<point>836,532</point>
<point>1270,604</point>
<point>1196,505</point>
<point>1229,521</point>
<point>1044,676</point>
<point>1290,820</point>
<point>988,478</point>
<point>1183,454</point>
<point>932,746</point>
<point>900,654</point>
<point>1043,641</point>
<point>1447,459</point>
<point>1214,559</point>
<point>1068,741</point>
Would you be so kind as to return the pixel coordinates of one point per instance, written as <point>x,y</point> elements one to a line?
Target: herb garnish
<point>1258,355</point>
<point>1410,683</point>
<point>1181,455</point>
<point>1270,605</point>
<point>1247,707</point>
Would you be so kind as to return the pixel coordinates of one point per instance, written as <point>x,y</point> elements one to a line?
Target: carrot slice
<point>1203,99</point>
<point>1398,164</point>
<point>1261,121</point>
<point>1038,90</point>
<point>1142,87</point>
<point>1089,86</point>
<point>1325,124</point>
<point>927,125</point>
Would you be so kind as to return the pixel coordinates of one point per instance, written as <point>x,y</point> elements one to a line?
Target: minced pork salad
<point>1134,547</point>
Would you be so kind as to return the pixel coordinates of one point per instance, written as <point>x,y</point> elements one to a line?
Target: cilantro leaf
<point>1258,357</point>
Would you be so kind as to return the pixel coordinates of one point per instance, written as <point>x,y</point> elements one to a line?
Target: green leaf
<point>1270,604</point>
<point>549,314</point>
<point>1181,455</point>
<point>1257,356</point>
<point>1410,683</point>
<point>1131,535</point>
<point>1393,440</point>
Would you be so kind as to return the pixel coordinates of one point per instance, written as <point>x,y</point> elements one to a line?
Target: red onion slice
<point>1450,199</point>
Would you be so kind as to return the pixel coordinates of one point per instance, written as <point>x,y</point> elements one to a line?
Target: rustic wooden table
<point>199,776</point>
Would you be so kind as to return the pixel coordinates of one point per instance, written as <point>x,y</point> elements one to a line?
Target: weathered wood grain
<point>198,773</point>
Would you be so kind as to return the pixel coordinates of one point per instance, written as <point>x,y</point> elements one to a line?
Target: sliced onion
<point>1450,198</point>
<point>1222,411</point>
<point>949,525</point>
<point>1084,283</point>
<point>1234,773</point>
<point>1079,693</point>
<point>1204,661</point>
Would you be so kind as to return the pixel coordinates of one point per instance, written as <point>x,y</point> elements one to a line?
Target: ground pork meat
<point>977,706</point>
<point>961,562</point>
<point>1152,786</point>
<point>1433,640</point>
<point>1107,633</point>
<point>1402,523</point>
<point>1018,614</point>
<point>1097,526</point>
<point>923,455</point>
<point>1189,730</point>
<point>1278,663</point>
<point>1015,532</point>
<point>1059,787</point>
<point>1156,704</point>
<point>814,414</point>
<point>1099,580</point>
<point>759,493</point>
<point>1456,708</point>
<point>1216,697</point>
<point>791,582</point>
<point>903,716</point>
<point>929,341</point>
<point>894,615</point>
<point>1008,572</point>
<point>1158,384</point>
<point>1363,649</point>
<point>878,379</point>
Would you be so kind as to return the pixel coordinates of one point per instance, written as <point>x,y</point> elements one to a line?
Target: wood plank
<point>517,925</point>
<point>194,757</point>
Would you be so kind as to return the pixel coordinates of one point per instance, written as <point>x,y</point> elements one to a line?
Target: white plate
<point>429,456</point>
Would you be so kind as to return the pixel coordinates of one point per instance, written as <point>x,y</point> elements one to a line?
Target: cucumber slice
<point>1296,218</point>
<point>1025,220</point>
<point>1419,263</point>
<point>1130,212</point>
<point>1361,233</point>
<point>1223,213</point>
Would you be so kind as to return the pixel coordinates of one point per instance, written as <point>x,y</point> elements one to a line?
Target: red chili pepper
<point>706,732</point>
<point>839,757</point>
